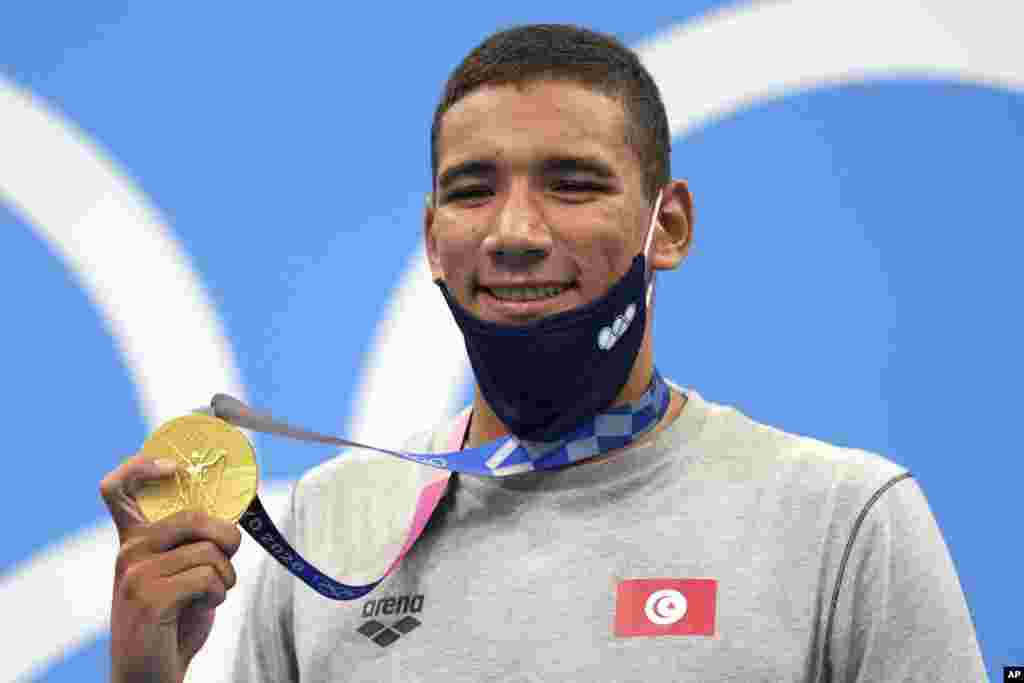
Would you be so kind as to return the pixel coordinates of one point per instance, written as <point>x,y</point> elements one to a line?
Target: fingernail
<point>165,464</point>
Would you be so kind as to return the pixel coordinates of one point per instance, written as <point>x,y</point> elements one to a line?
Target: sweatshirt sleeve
<point>899,611</point>
<point>266,649</point>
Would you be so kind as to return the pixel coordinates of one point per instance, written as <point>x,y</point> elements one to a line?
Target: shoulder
<point>803,469</point>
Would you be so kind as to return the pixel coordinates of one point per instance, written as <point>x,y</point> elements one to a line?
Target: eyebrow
<point>553,165</point>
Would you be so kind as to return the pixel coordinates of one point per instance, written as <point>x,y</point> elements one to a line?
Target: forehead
<point>524,123</point>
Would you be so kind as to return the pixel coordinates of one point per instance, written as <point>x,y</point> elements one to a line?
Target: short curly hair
<point>596,61</point>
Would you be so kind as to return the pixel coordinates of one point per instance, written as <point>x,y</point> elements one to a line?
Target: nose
<point>520,236</point>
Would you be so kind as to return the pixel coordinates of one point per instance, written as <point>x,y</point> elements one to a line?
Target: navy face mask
<point>544,378</point>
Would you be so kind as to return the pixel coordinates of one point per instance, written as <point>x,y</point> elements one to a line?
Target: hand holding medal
<point>174,504</point>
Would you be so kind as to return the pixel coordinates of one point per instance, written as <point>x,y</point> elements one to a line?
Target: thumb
<point>119,486</point>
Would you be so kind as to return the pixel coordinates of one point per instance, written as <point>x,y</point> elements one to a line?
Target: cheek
<point>608,257</point>
<point>601,263</point>
<point>456,249</point>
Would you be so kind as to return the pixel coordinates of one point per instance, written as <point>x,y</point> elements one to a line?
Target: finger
<point>187,526</point>
<point>197,586</point>
<point>207,553</point>
<point>119,486</point>
<point>195,625</point>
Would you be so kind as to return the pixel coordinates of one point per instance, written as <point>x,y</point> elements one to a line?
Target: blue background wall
<point>854,277</point>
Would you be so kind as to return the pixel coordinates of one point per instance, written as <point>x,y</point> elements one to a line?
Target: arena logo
<point>392,605</point>
<point>383,634</point>
<point>915,39</point>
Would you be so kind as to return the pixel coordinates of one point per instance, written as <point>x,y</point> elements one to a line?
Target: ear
<point>430,240</point>
<point>674,227</point>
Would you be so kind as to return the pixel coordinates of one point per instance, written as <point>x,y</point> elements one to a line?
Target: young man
<point>667,538</point>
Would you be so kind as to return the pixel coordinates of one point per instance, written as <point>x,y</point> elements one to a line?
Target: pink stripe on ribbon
<point>431,494</point>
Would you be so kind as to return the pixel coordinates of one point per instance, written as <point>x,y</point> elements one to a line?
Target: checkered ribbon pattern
<point>611,429</point>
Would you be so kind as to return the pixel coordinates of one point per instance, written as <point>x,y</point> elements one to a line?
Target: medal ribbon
<point>611,429</point>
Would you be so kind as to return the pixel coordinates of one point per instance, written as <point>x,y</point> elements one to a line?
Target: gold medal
<point>217,471</point>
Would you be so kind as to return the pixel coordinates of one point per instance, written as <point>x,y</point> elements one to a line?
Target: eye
<point>472,192</point>
<point>576,191</point>
<point>577,186</point>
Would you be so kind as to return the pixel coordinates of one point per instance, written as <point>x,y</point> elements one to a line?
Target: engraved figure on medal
<point>194,483</point>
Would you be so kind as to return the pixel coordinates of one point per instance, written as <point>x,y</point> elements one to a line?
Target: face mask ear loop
<point>649,275</point>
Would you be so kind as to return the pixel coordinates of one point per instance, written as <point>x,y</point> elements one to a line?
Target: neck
<point>486,426</point>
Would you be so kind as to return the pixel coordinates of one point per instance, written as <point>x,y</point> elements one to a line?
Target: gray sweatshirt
<point>827,565</point>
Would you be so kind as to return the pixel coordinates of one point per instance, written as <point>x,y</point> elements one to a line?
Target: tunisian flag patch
<point>665,607</point>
